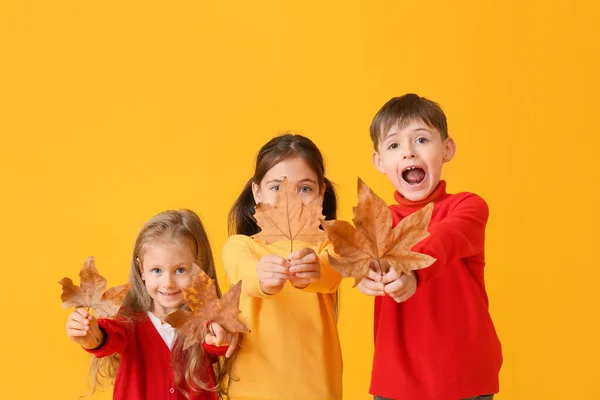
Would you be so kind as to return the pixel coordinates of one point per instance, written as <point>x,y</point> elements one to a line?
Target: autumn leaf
<point>90,292</point>
<point>373,239</point>
<point>201,298</point>
<point>289,218</point>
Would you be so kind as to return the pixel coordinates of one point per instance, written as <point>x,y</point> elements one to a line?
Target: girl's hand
<point>305,267</point>
<point>272,272</point>
<point>220,337</point>
<point>82,328</point>
<point>400,287</point>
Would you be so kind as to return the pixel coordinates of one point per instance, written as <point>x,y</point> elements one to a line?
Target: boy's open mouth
<point>413,175</point>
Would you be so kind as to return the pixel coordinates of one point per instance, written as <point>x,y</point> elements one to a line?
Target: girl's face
<point>297,171</point>
<point>166,270</point>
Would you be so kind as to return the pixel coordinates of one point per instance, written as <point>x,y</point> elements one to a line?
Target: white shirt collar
<point>166,331</point>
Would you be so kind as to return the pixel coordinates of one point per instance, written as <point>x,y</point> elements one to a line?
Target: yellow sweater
<point>293,350</point>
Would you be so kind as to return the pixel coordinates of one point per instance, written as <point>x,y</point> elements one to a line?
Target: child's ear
<point>378,163</point>
<point>256,192</point>
<point>449,149</point>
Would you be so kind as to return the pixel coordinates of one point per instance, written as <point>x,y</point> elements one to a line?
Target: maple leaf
<point>201,298</point>
<point>90,292</point>
<point>373,238</point>
<point>289,218</point>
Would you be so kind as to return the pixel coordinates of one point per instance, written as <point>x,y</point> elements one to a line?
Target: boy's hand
<point>272,272</point>
<point>400,288</point>
<point>220,337</point>
<point>371,284</point>
<point>305,267</point>
<point>82,328</point>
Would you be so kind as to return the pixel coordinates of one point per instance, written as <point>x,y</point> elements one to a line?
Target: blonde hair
<point>183,226</point>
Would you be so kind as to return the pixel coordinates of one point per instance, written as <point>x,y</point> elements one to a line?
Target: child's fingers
<point>390,276</point>
<point>220,334</point>
<point>232,345</point>
<point>395,288</point>
<point>81,311</point>
<point>370,287</point>
<point>74,332</point>
<point>311,276</point>
<point>78,317</point>
<point>402,288</point>
<point>300,254</point>
<point>275,268</point>
<point>374,276</point>
<point>210,339</point>
<point>305,267</point>
<point>275,259</point>
<point>72,324</point>
<point>273,276</point>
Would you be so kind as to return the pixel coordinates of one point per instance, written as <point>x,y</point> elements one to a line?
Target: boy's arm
<point>461,234</point>
<point>239,261</point>
<point>115,338</point>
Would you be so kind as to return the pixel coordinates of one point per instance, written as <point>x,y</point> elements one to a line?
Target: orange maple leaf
<point>289,218</point>
<point>374,239</point>
<point>90,292</point>
<point>201,298</point>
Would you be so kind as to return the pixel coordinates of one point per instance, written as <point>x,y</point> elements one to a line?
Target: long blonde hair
<point>189,366</point>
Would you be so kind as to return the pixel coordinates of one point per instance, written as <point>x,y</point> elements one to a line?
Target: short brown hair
<point>404,109</point>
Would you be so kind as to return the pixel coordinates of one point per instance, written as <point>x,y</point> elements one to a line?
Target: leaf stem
<point>92,331</point>
<point>380,267</point>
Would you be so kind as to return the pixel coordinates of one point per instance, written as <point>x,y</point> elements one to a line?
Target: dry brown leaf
<point>90,292</point>
<point>289,218</point>
<point>374,239</point>
<point>201,298</point>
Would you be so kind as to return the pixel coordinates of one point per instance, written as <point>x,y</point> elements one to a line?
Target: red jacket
<point>441,343</point>
<point>145,371</point>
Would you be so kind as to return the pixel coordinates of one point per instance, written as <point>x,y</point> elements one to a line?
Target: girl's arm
<point>115,338</point>
<point>101,337</point>
<point>82,328</point>
<point>240,261</point>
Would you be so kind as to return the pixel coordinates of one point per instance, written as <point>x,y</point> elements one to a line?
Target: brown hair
<point>404,109</point>
<point>280,148</point>
<point>189,366</point>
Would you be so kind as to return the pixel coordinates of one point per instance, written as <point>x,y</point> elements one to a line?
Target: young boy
<point>434,337</point>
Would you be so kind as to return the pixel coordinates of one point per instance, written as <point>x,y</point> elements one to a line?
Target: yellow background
<point>111,111</point>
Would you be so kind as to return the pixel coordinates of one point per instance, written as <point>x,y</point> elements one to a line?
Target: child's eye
<point>421,140</point>
<point>305,189</point>
<point>275,188</point>
<point>180,271</point>
<point>155,271</point>
<point>393,146</point>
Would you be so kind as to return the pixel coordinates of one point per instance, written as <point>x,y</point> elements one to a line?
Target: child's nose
<point>408,152</point>
<point>169,280</point>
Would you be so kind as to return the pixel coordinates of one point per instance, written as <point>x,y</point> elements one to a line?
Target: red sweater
<point>145,371</point>
<point>441,343</point>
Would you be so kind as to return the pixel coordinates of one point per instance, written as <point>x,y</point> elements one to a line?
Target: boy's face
<point>412,158</point>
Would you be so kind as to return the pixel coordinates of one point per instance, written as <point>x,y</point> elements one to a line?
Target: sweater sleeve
<point>330,278</point>
<point>214,350</point>
<point>459,235</point>
<point>115,338</point>
<point>239,261</point>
